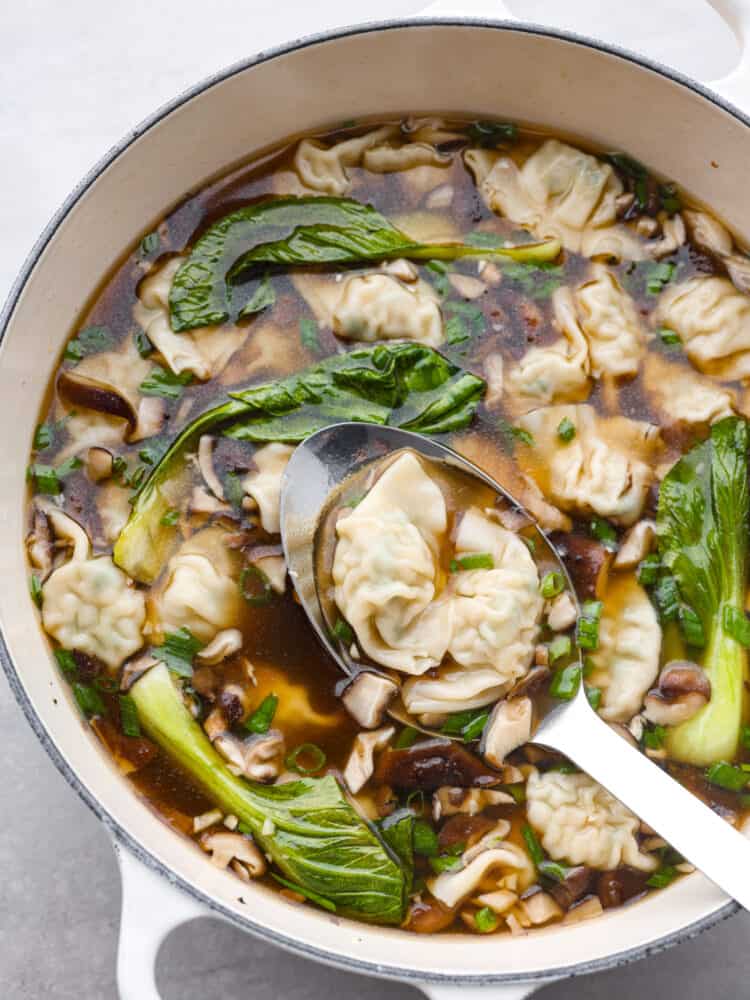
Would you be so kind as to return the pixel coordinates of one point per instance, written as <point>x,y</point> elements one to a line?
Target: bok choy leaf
<point>316,838</point>
<point>300,232</point>
<point>401,384</point>
<point>702,526</point>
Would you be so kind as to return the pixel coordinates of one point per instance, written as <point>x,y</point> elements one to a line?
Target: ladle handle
<point>692,828</point>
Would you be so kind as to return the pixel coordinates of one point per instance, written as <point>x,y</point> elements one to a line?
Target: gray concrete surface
<point>74,77</point>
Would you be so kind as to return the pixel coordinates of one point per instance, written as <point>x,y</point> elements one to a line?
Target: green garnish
<point>648,571</point>
<point>745,737</point>
<point>464,321</point>
<point>594,696</point>
<point>425,839</point>
<point>255,586</point>
<point>662,877</point>
<point>560,646</point>
<point>178,651</point>
<point>478,560</point>
<point>658,275</point>
<point>552,870</point>
<point>725,775</point>
<point>446,863</point>
<point>47,479</point>
<point>171,517</point>
<point>736,624</point>
<point>604,532</point>
<point>90,340</point>
<point>669,337</point>
<point>564,683</point>
<point>35,589</point>
<point>406,738</point>
<point>653,737</point>
<point>129,716</point>
<point>468,724</point>
<point>438,277</point>
<point>587,627</point>
<point>552,584</point>
<point>261,719</point>
<point>536,853</point>
<point>667,598</point>
<point>489,134</point>
<point>142,344</point>
<point>150,243</point>
<point>308,334</point>
<point>164,383</point>
<point>89,700</point>
<point>310,751</point>
<point>566,429</point>
<point>66,662</point>
<point>343,631</point>
<point>262,298</point>
<point>486,920</point>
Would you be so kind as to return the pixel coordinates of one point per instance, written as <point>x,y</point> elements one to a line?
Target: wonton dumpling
<point>200,591</point>
<point>601,471</point>
<point>455,689</point>
<point>203,352</point>
<point>384,159</point>
<point>610,324</point>
<point>380,307</point>
<point>557,373</point>
<point>712,320</point>
<point>580,822</point>
<point>682,396</point>
<point>323,168</point>
<point>627,660</point>
<point>384,569</point>
<point>496,612</point>
<point>91,605</point>
<point>559,192</point>
<point>263,483</point>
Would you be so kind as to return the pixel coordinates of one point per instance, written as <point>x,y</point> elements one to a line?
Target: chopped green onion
<point>475,728</point>
<point>552,584</point>
<point>727,776</point>
<point>587,627</point>
<point>233,489</point>
<point>307,893</point>
<point>736,624</point>
<point>44,435</point>
<point>406,738</point>
<point>129,716</point>
<point>604,532</point>
<point>530,543</point>
<point>648,571</point>
<point>532,844</point>
<point>89,700</point>
<point>150,243</point>
<point>668,337</point>
<point>47,479</point>
<point>308,334</point>
<point>662,877</point>
<point>171,517</point>
<point>261,719</point>
<point>306,750</point>
<point>446,863</point>
<point>594,696</point>
<point>469,724</point>
<point>142,344</point>
<point>658,275</point>
<point>516,791</point>
<point>692,627</point>
<point>478,560</point>
<point>486,920</point>
<point>489,134</point>
<point>35,589</point>
<point>553,870</point>
<point>343,631</point>
<point>566,430</point>
<point>564,683</point>
<point>560,646</point>
<point>164,383</point>
<point>178,651</point>
<point>66,662</point>
<point>425,839</point>
<point>653,737</point>
<point>252,576</point>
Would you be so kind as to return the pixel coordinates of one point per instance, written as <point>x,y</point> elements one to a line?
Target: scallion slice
<point>255,586</point>
<point>587,628</point>
<point>129,716</point>
<point>486,920</point>
<point>261,719</point>
<point>564,683</point>
<point>552,584</point>
<point>306,750</point>
<point>477,560</point>
<point>425,839</point>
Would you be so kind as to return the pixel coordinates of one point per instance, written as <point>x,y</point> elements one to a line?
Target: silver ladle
<point>316,471</point>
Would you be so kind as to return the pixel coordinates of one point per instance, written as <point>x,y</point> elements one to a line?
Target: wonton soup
<point>564,319</point>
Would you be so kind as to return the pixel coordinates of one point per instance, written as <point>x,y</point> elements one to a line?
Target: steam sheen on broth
<point>564,319</point>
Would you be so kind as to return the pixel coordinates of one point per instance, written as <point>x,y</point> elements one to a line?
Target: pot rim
<point>116,829</point>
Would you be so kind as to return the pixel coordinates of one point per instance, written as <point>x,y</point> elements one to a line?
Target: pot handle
<point>513,991</point>
<point>495,9</point>
<point>735,87</point>
<point>151,908</point>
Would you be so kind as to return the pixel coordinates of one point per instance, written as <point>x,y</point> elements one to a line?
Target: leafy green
<point>537,280</point>
<point>178,651</point>
<point>299,232</point>
<point>263,297</point>
<point>317,841</point>
<point>48,479</point>
<point>404,385</point>
<point>149,244</point>
<point>261,719</point>
<point>702,528</point>
<point>489,134</point>
<point>90,340</point>
<point>308,334</point>
<point>129,716</point>
<point>162,382</point>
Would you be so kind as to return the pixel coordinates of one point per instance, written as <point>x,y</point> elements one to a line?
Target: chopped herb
<point>692,627</point>
<point>355,501</point>
<point>604,532</point>
<point>627,165</point>
<point>653,737</point>
<point>35,589</point>
<point>669,337</point>
<point>306,750</point>
<point>648,570</point>
<point>566,430</point>
<point>552,584</point>
<point>560,646</point>
<point>308,334</point>
<point>263,297</point>
<point>142,344</point>
<point>66,662</point>
<point>261,719</point>
<point>47,478</point>
<point>588,666</point>
<point>517,792</point>
<point>532,844</point>
<point>475,728</point>
<point>314,897</point>
<point>456,330</point>
<point>484,240</point>
<point>513,433</point>
<point>406,738</point>
<point>178,651</point>
<point>745,737</point>
<point>587,627</point>
<point>89,700</point>
<point>129,716</point>
<point>44,435</point>
<point>171,517</point>
<point>160,382</point>
<point>667,598</point>
<point>468,724</point>
<point>486,920</point>
<point>725,775</point>
<point>255,586</point>
<point>659,275</point>
<point>233,489</point>
<point>537,281</point>
<point>662,877</point>
<point>530,543</point>
<point>670,198</point>
<point>90,340</point>
<point>478,560</point>
<point>553,870</point>
<point>440,282</point>
<point>152,452</point>
<point>564,683</point>
<point>150,244</point>
<point>490,134</point>
<point>446,863</point>
<point>735,623</point>
<point>594,696</point>
<point>343,631</point>
<point>425,839</point>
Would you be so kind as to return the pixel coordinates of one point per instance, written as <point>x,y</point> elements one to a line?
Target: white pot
<point>481,67</point>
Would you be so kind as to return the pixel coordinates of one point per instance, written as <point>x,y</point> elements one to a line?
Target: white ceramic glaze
<point>567,83</point>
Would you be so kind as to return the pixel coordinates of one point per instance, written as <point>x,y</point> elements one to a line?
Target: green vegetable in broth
<point>317,841</point>
<point>404,385</point>
<point>702,526</point>
<point>301,232</point>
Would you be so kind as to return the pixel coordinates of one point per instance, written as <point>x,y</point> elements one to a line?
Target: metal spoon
<point>318,467</point>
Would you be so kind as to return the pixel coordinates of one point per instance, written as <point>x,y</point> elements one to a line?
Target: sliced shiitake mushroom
<point>587,561</point>
<point>430,764</point>
<point>682,690</point>
<point>80,390</point>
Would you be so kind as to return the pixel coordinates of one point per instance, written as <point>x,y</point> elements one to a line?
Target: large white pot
<point>480,67</point>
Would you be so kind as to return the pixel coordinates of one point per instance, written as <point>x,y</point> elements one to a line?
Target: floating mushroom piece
<point>562,612</point>
<point>269,559</point>
<point>636,545</point>
<point>224,644</point>
<point>227,847</point>
<point>98,464</point>
<point>367,697</point>
<point>449,801</point>
<point>682,691</point>
<point>39,543</point>
<point>80,390</point>
<point>259,758</point>
<point>430,764</point>
<point>508,727</point>
<point>586,560</point>
<point>361,763</point>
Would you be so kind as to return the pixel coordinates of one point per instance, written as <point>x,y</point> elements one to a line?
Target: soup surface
<point>564,319</point>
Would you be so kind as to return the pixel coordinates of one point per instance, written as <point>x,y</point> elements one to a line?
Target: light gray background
<point>74,77</point>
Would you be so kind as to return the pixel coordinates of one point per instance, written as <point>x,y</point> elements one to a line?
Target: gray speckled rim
<point>119,832</point>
